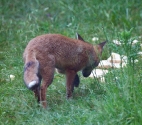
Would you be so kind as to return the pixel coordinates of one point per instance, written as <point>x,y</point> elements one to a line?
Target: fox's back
<point>67,52</point>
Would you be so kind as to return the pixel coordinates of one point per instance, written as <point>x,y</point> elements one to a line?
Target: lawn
<point>118,101</point>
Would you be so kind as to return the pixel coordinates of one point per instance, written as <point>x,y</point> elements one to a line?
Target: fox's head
<point>98,49</point>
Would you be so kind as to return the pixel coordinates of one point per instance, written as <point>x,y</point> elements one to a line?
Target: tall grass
<point>118,101</point>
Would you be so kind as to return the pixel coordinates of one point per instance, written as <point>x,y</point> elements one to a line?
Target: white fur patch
<point>31,84</point>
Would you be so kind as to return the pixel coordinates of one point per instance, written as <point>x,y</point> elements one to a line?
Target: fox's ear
<point>79,37</point>
<point>102,44</point>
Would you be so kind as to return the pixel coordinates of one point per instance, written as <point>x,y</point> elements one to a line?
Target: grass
<point>118,101</point>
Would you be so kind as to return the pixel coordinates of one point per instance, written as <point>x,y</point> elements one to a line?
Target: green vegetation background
<point>118,101</point>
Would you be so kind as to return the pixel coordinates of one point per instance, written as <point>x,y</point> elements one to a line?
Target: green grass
<point>118,101</point>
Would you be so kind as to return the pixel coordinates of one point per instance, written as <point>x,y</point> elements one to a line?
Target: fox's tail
<point>31,73</point>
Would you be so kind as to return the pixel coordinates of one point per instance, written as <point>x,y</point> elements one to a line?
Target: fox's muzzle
<point>86,73</point>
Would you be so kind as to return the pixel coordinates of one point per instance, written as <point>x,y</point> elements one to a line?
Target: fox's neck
<point>91,56</point>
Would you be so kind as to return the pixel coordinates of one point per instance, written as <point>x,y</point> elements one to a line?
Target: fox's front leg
<point>76,81</point>
<point>70,76</point>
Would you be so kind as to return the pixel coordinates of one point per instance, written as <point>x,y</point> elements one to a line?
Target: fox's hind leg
<point>37,93</point>
<point>37,90</point>
<point>47,73</point>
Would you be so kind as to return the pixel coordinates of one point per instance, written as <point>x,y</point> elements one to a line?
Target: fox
<point>45,53</point>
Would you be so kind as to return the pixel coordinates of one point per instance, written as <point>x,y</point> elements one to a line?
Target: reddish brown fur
<point>52,51</point>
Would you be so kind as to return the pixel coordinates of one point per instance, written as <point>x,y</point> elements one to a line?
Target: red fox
<point>46,52</point>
